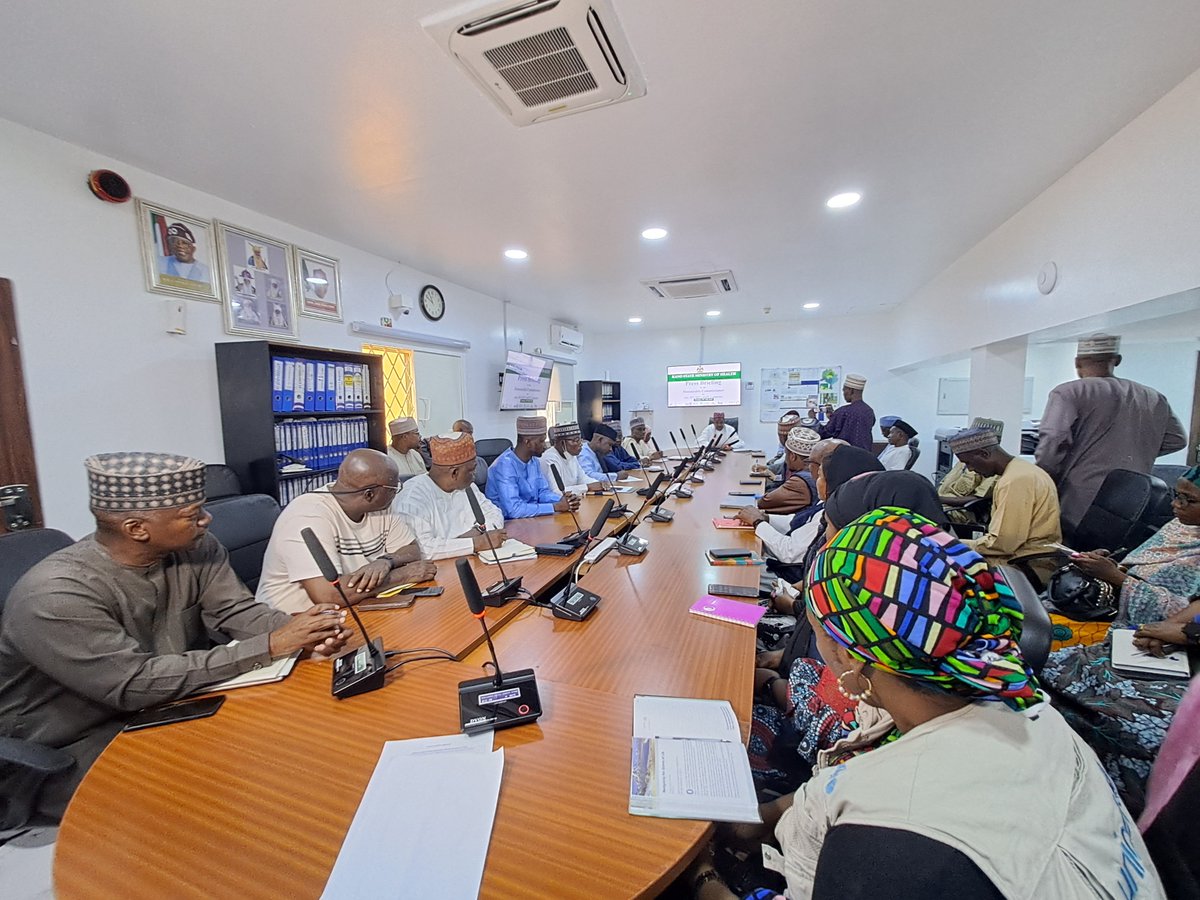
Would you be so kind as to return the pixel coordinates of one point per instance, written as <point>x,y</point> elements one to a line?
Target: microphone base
<point>696,479</point>
<point>644,492</point>
<point>360,670</point>
<point>660,515</point>
<point>574,539</point>
<point>573,603</point>
<point>709,467</point>
<point>632,545</point>
<point>617,511</point>
<point>501,592</point>
<point>683,492</point>
<point>484,705</point>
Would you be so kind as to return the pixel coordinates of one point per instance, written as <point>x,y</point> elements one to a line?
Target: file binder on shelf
<point>321,407</point>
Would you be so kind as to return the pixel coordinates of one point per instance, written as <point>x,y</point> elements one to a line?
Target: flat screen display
<point>709,384</point>
<point>526,381</point>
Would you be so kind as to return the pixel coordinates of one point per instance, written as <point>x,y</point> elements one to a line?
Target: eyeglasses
<point>370,487</point>
<point>1184,498</point>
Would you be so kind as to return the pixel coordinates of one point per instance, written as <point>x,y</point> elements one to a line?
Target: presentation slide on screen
<point>711,384</point>
<point>526,382</point>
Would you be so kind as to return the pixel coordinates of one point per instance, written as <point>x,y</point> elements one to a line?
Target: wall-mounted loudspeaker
<point>109,186</point>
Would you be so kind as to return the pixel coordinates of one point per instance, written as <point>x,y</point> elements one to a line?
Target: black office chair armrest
<point>33,756</point>
<point>1024,564</point>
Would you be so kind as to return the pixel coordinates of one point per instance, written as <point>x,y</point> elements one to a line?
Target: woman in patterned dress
<point>1125,718</point>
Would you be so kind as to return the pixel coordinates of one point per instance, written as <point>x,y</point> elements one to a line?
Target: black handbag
<point>1081,597</point>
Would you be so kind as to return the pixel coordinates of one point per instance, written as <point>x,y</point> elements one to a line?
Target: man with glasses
<point>371,546</point>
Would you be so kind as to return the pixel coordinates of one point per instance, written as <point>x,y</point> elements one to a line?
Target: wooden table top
<point>255,801</point>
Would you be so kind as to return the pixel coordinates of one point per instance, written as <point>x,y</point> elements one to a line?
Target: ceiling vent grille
<point>692,287</point>
<point>541,59</point>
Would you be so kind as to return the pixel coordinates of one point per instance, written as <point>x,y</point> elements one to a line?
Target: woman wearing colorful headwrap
<point>1125,719</point>
<point>978,788</point>
<point>801,711</point>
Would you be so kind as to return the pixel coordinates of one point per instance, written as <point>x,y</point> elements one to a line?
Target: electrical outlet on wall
<point>176,316</point>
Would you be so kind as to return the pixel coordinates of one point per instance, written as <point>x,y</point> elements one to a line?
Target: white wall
<point>638,359</point>
<point>1122,227</point>
<point>101,372</point>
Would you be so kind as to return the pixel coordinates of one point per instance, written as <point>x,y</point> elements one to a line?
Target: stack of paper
<point>511,550</point>
<point>1128,658</point>
<point>689,762</point>
<point>424,824</point>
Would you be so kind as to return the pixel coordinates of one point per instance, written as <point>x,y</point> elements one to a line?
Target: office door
<point>440,383</point>
<point>20,504</point>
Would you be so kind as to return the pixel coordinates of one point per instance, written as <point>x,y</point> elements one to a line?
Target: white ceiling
<point>346,119</point>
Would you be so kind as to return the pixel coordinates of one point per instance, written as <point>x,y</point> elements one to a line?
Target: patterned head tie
<point>143,482</point>
<point>1192,475</point>
<point>901,594</point>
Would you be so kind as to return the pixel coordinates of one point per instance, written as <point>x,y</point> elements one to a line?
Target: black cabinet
<point>262,440</point>
<point>599,401</point>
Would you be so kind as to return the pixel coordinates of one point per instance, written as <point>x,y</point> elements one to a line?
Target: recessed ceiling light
<point>514,253</point>
<point>811,305</point>
<point>654,234</point>
<point>841,201</point>
<point>633,320</point>
<point>713,313</point>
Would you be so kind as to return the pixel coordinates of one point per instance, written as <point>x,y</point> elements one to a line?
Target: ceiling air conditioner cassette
<point>541,59</point>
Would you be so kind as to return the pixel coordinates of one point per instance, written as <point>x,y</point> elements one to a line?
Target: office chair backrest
<point>481,473</point>
<point>731,421</point>
<point>1036,633</point>
<point>243,526</point>
<point>220,481</point>
<point>20,551</point>
<point>491,448</point>
<point>914,444</point>
<point>1128,509</point>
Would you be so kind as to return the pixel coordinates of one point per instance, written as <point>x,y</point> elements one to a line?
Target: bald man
<point>370,545</point>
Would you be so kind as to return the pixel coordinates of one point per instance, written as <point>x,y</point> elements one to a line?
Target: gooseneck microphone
<point>573,602</point>
<point>362,669</point>
<point>578,538</point>
<point>499,701</point>
<point>629,543</point>
<point>506,588</point>
<point>682,455</point>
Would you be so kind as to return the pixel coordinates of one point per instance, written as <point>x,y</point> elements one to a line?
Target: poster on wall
<point>320,285</point>
<point>177,252</point>
<point>806,389</point>
<point>257,277</point>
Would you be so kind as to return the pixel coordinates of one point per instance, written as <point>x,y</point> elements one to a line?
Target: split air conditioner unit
<point>541,59</point>
<point>566,337</point>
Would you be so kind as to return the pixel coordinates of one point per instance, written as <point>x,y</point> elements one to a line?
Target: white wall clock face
<point>433,304</point>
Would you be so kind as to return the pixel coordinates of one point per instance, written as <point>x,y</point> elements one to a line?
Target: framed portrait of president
<point>178,253</point>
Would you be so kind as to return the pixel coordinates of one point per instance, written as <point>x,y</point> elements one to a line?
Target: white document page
<point>1128,657</point>
<point>688,762</point>
<point>276,670</point>
<point>424,823</point>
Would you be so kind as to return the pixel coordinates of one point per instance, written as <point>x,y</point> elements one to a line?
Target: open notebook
<point>278,670</point>
<point>1128,658</point>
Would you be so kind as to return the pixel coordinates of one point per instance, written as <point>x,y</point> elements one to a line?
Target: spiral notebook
<point>728,610</point>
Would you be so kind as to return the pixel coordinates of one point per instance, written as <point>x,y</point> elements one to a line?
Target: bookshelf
<point>249,420</point>
<point>599,401</point>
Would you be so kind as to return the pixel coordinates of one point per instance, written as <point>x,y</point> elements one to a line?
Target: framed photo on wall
<point>177,252</point>
<point>258,282</point>
<point>320,286</point>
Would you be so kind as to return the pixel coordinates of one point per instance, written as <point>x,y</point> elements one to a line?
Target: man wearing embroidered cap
<point>798,492</point>
<point>725,435</point>
<point>897,453</point>
<point>1099,423</point>
<point>120,620</point>
<point>437,507</point>
<point>599,445</point>
<point>855,421</point>
<point>403,450</point>
<point>180,260</point>
<point>563,455</point>
<point>515,480</point>
<point>1025,515</point>
<point>776,464</point>
<point>638,443</point>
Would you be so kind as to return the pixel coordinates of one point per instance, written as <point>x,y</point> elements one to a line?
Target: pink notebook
<point>732,525</point>
<point>728,610</point>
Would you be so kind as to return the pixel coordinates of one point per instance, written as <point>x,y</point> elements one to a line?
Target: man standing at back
<point>854,421</point>
<point>1099,423</point>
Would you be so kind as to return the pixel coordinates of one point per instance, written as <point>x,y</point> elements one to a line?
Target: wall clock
<point>433,304</point>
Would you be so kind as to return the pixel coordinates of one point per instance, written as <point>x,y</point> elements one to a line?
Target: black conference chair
<point>1036,634</point>
<point>220,481</point>
<point>243,526</point>
<point>914,444</point>
<point>20,552</point>
<point>1128,509</point>
<point>489,449</point>
<point>731,421</point>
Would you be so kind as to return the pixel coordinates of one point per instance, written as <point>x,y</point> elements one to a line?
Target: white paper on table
<point>688,762</point>
<point>626,479</point>
<point>424,822</point>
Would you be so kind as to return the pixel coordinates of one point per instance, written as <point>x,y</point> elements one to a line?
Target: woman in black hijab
<point>861,495</point>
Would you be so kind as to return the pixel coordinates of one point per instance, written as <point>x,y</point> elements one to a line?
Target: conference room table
<point>255,801</point>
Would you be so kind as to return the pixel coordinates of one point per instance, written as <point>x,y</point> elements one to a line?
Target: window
<point>399,386</point>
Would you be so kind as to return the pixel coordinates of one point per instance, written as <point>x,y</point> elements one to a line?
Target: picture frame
<point>319,285</point>
<point>257,283</point>
<point>162,232</point>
